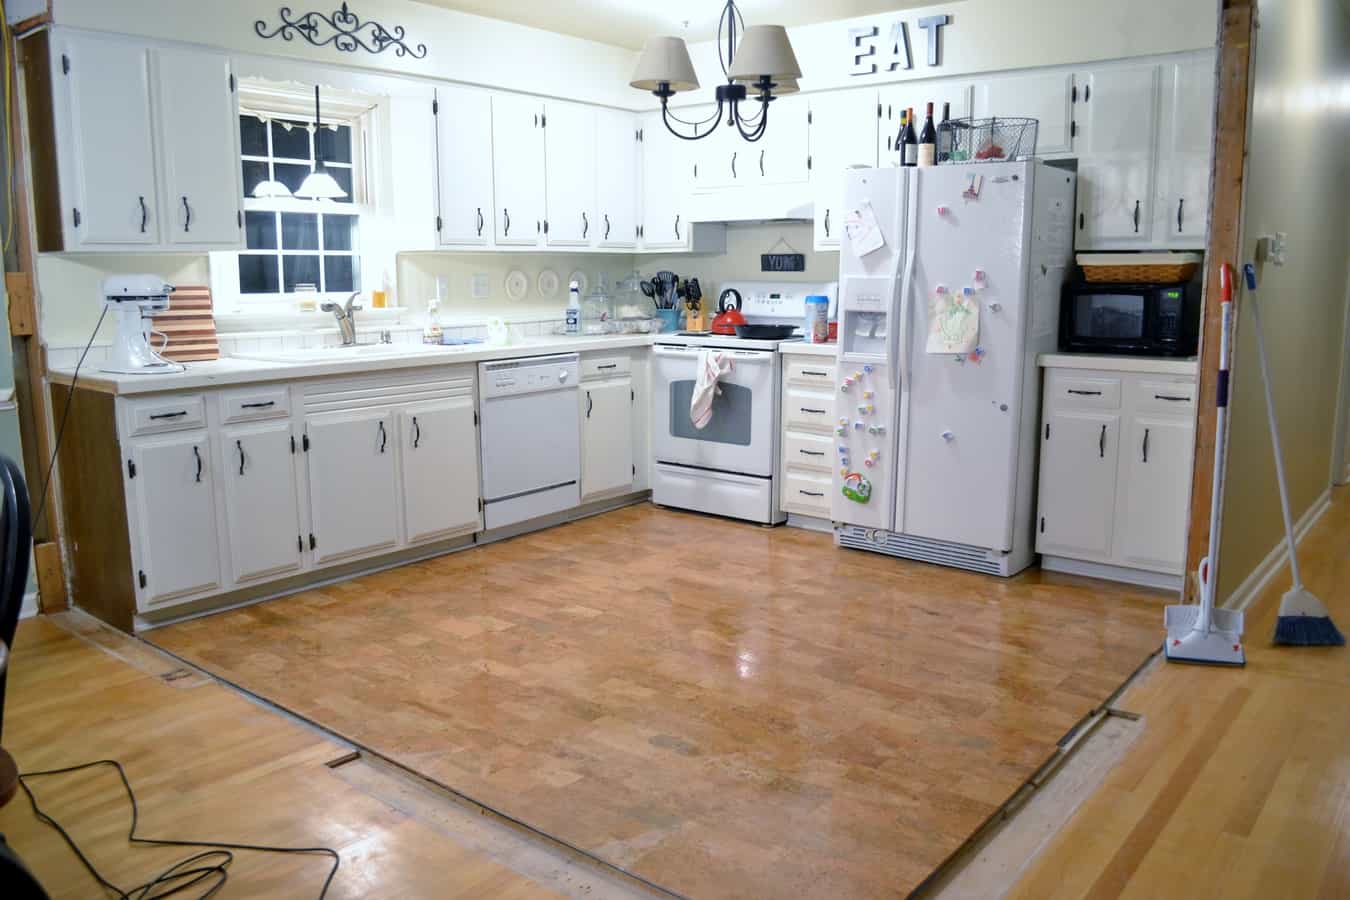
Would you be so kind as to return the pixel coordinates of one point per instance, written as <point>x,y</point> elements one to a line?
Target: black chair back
<point>16,545</point>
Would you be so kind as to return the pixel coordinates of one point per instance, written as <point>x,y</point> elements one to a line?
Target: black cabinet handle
<point>263,405</point>
<point>506,214</point>
<point>608,366</point>
<point>606,226</point>
<point>145,214</point>
<point>585,226</point>
<point>1145,445</point>
<point>417,433</point>
<point>677,228</point>
<point>240,446</point>
<point>1085,393</point>
<point>480,221</point>
<point>589,405</point>
<point>197,453</point>
<point>172,415</point>
<point>761,164</point>
<point>1080,221</point>
<point>810,493</point>
<point>187,215</point>
<point>811,452</point>
<point>1101,444</point>
<point>733,165</point>
<point>1136,217</point>
<point>816,372</point>
<point>1171,397</point>
<point>384,437</point>
<point>1180,203</point>
<point>807,409</point>
<point>827,223</point>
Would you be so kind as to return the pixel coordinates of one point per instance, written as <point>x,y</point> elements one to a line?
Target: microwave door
<point>1108,320</point>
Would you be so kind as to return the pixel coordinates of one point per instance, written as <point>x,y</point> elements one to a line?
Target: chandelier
<point>763,61</point>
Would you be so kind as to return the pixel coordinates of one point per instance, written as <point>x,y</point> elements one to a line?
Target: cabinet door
<point>1184,146</point>
<point>353,506</point>
<point>262,511</point>
<point>108,159</point>
<point>1079,451</point>
<point>518,168</point>
<point>199,139</point>
<point>569,150</point>
<point>664,184</point>
<point>842,132</point>
<point>1155,493</point>
<point>1046,97</point>
<point>178,553</point>
<point>783,149</point>
<point>616,180</point>
<point>721,160</point>
<point>897,97</point>
<point>1117,115</point>
<point>606,437</point>
<point>464,166</point>
<point>438,452</point>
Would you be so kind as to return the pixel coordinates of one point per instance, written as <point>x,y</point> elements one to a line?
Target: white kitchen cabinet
<point>1156,491</point>
<point>808,403</point>
<point>779,157</point>
<point>895,98</point>
<point>607,465</point>
<point>262,512</point>
<point>518,179</point>
<point>170,485</point>
<point>615,177</point>
<point>1185,139</point>
<point>569,151</point>
<point>104,143</point>
<point>1044,96</point>
<point>202,200</point>
<point>1116,116</point>
<point>665,182</point>
<point>842,132</point>
<point>464,167</point>
<point>438,455</point>
<point>717,161</point>
<point>1078,485</point>
<point>352,483</point>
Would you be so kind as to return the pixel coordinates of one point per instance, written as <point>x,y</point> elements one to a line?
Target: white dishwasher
<point>530,438</point>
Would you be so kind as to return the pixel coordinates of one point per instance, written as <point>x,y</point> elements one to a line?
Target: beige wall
<point>1298,169</point>
<point>69,298</point>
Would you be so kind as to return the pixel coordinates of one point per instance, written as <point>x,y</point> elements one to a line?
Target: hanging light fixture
<point>319,185</point>
<point>762,61</point>
<point>271,188</point>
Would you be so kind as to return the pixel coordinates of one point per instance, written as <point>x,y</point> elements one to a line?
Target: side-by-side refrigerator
<point>949,286</point>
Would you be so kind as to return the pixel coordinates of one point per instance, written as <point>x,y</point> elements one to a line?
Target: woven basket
<point>1157,273</point>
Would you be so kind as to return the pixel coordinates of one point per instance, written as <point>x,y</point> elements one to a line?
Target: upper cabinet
<point>664,185</point>
<point>615,176</point>
<point>782,152</point>
<point>896,98</point>
<point>569,152</point>
<point>518,168</point>
<point>464,167</point>
<point>1185,138</point>
<point>1116,115</point>
<point>841,133</point>
<point>1046,97</point>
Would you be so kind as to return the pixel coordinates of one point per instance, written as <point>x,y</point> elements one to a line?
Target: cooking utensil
<point>728,312</point>
<point>765,332</point>
<point>666,286</point>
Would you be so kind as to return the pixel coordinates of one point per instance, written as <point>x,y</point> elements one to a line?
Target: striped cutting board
<point>189,324</point>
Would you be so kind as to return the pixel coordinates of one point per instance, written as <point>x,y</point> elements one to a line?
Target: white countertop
<point>228,371</point>
<point>798,348</point>
<point>1153,365</point>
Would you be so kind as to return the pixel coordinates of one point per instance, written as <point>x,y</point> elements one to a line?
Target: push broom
<point>1303,620</point>
<point>1200,633</point>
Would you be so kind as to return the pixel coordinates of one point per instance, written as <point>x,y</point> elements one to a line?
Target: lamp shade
<point>665,59</point>
<point>319,185</point>
<point>764,50</point>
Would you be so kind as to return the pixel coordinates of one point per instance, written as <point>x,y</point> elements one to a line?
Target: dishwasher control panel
<point>529,375</point>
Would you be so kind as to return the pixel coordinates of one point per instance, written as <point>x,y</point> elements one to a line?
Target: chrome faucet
<point>346,321</point>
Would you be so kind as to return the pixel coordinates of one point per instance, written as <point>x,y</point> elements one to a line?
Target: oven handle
<point>694,352</point>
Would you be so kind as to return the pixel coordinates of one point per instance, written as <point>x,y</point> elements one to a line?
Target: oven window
<point>732,414</point>
<point>1119,316</point>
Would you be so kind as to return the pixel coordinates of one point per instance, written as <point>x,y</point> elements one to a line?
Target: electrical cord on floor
<point>207,869</point>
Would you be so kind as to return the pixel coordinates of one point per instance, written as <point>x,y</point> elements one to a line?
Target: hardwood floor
<point>1240,784</point>
<point>782,718</point>
<point>205,762</point>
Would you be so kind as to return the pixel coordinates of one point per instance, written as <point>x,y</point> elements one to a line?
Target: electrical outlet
<point>1279,248</point>
<point>482,286</point>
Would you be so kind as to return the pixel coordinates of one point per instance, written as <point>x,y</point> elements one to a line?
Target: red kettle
<point>728,312</point>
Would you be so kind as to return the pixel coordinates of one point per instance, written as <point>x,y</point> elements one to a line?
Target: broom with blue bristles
<point>1303,620</point>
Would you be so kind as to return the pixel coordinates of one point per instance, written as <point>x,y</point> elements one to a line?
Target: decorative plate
<point>583,283</point>
<point>547,283</point>
<point>517,285</point>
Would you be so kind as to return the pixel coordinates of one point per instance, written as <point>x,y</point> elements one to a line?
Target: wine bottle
<point>928,140</point>
<point>908,142</point>
<point>946,135</point>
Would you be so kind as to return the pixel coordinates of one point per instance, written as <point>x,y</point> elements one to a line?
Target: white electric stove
<point>730,466</point>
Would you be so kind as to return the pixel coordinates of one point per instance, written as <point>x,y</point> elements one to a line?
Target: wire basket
<point>992,140</point>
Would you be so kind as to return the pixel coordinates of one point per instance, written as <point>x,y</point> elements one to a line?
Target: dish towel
<point>712,365</point>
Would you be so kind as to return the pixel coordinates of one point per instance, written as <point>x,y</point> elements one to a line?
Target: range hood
<point>753,203</point>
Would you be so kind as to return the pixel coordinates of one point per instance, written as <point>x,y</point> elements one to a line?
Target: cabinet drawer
<point>173,413</point>
<point>809,410</point>
<point>1155,394</point>
<point>605,366</point>
<point>817,370</point>
<point>807,451</point>
<point>807,493</point>
<point>247,404</point>
<point>1078,391</point>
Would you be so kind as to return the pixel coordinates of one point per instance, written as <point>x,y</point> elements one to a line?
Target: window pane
<point>336,145</point>
<point>299,270</point>
<point>255,173</point>
<point>341,273</point>
<point>299,231</point>
<point>339,232</point>
<point>291,175</point>
<point>260,230</point>
<point>252,136</point>
<point>344,178</point>
<point>257,274</point>
<point>290,142</point>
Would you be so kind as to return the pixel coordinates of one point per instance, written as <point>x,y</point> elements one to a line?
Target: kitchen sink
<point>356,351</point>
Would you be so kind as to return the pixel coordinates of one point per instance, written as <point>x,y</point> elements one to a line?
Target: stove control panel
<point>779,300</point>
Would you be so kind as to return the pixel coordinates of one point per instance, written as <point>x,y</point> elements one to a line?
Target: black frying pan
<point>765,332</point>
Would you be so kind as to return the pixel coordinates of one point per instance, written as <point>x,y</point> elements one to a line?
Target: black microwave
<point>1143,319</point>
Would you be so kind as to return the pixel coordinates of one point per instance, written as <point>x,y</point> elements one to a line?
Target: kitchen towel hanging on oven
<point>712,366</point>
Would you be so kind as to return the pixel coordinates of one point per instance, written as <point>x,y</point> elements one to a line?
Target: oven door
<point>740,436</point>
<point>1106,320</point>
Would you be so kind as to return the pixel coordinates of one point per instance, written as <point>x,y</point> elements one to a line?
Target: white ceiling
<point>627,23</point>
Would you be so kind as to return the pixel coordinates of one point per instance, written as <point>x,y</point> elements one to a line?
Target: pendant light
<point>319,185</point>
<point>761,63</point>
<point>271,188</point>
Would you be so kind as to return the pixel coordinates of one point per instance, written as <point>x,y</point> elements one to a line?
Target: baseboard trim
<point>1255,582</point>
<point>810,523</point>
<point>1142,577</point>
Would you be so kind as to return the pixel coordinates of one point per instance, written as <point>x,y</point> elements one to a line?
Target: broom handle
<point>1210,584</point>
<point>1250,272</point>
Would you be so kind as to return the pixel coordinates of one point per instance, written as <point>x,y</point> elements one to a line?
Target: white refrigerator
<point>949,286</point>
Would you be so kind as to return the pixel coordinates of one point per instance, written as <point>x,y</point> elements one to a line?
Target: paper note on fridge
<point>953,323</point>
<point>864,234</point>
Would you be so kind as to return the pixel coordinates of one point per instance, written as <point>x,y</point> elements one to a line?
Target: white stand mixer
<point>134,298</point>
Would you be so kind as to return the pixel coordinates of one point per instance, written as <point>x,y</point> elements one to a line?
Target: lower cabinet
<point>262,512</point>
<point>1157,472</point>
<point>352,483</point>
<point>438,469</point>
<point>607,463</point>
<point>807,442</point>
<point>1078,482</point>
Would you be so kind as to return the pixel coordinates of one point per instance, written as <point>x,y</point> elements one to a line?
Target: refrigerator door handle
<point>900,328</point>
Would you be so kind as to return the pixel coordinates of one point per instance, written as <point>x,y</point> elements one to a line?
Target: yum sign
<point>894,54</point>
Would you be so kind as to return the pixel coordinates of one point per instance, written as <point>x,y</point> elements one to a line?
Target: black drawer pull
<point>417,433</point>
<point>810,493</point>
<point>807,409</point>
<point>187,215</point>
<point>384,437</point>
<point>1085,393</point>
<point>261,405</point>
<point>608,366</point>
<point>1145,445</point>
<point>1173,398</point>
<point>198,455</point>
<point>816,372</point>
<point>811,452</point>
<point>240,446</point>
<point>172,415</point>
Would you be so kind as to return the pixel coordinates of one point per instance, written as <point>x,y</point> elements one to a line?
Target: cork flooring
<point>723,709</point>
